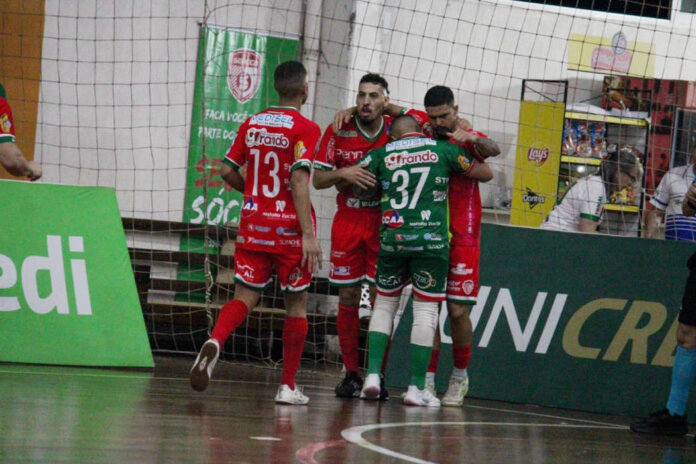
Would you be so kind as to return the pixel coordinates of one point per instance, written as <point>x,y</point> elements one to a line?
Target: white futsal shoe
<point>456,391</point>
<point>371,387</point>
<point>286,395</point>
<point>203,367</point>
<point>416,397</point>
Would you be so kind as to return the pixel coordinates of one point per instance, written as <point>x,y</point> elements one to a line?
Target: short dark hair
<point>372,78</point>
<point>289,78</point>
<point>438,95</point>
<point>403,124</point>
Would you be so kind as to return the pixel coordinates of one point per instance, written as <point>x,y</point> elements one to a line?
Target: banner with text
<point>568,320</point>
<point>67,291</point>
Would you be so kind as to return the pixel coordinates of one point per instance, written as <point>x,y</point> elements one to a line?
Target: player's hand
<point>35,169</point>
<point>343,117</point>
<point>689,203</point>
<point>464,123</point>
<point>357,175</point>
<point>462,136</point>
<point>311,252</point>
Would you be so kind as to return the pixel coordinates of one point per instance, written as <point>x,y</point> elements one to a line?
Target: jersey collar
<point>410,135</point>
<point>364,134</point>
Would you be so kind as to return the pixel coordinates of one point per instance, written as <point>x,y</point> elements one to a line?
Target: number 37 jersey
<point>271,144</point>
<point>414,175</point>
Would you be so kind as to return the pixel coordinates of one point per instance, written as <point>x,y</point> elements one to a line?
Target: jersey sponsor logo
<point>425,214</point>
<point>300,149</point>
<point>258,228</point>
<point>280,205</point>
<point>349,156</point>
<point>349,134</point>
<point>433,237</point>
<point>388,248</point>
<point>259,241</point>
<point>272,120</point>
<point>424,280</point>
<point>240,239</point>
<point>435,246</point>
<point>389,281</point>
<point>353,202</point>
<point>256,137</point>
<point>287,232</point>
<point>464,162</point>
<point>405,237</point>
<point>340,270</point>
<point>249,207</point>
<point>419,224</point>
<point>392,219</point>
<point>442,180</point>
<point>468,287</point>
<point>410,143</point>
<point>461,269</point>
<point>293,242</point>
<point>537,155</point>
<point>409,248</point>
<point>533,199</point>
<point>244,73</point>
<point>245,271</point>
<point>385,184</point>
<point>439,195</point>
<point>5,124</point>
<point>398,160</point>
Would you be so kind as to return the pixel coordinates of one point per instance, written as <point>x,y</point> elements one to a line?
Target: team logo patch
<point>468,287</point>
<point>423,280</point>
<point>392,219</point>
<point>5,124</point>
<point>300,149</point>
<point>295,278</point>
<point>244,73</point>
<point>249,207</point>
<point>464,162</point>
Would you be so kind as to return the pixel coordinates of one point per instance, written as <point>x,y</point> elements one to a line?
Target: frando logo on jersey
<point>40,297</point>
<point>397,160</point>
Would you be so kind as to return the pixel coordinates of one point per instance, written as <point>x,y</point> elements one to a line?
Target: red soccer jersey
<point>272,144</point>
<point>346,148</point>
<point>464,196</point>
<point>7,130</point>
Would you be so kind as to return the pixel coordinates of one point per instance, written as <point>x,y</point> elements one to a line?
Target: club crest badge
<point>244,73</point>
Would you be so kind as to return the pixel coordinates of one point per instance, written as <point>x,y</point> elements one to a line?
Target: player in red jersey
<point>355,229</point>
<point>277,224</point>
<point>11,157</point>
<point>441,121</point>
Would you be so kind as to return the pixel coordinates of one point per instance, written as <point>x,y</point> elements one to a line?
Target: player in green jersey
<point>413,172</point>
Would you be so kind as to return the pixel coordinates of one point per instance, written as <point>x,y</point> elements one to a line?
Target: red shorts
<point>354,247</point>
<point>253,269</point>
<point>463,277</point>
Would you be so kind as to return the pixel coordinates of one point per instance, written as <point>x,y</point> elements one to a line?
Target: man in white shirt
<point>667,202</point>
<point>582,207</point>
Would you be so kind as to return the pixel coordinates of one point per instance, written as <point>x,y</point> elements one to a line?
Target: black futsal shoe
<point>383,393</point>
<point>350,386</point>
<point>661,423</point>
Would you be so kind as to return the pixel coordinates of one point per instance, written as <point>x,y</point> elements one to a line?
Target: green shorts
<point>427,273</point>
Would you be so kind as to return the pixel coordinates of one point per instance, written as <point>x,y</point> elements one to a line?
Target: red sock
<point>461,355</point>
<point>386,356</point>
<point>294,335</point>
<point>348,328</point>
<point>230,317</point>
<point>434,357</point>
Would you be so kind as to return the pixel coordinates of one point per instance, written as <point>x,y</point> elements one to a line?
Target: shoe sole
<point>199,372</point>
<point>664,433</point>
<point>291,403</point>
<point>410,402</point>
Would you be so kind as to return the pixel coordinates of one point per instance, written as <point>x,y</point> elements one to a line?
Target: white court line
<point>354,434</point>
<point>548,416</point>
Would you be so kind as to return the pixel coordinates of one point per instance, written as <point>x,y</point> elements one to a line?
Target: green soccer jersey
<point>413,173</point>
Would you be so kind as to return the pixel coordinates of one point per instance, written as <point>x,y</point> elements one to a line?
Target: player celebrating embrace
<point>277,225</point>
<point>413,172</point>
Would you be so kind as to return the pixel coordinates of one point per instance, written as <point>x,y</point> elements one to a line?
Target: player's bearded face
<point>443,118</point>
<point>370,102</point>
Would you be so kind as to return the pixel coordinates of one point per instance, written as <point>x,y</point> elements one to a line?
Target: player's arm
<point>325,174</point>
<point>482,146</point>
<point>234,160</point>
<point>233,177</point>
<point>588,226</point>
<point>689,202</point>
<point>653,218</point>
<point>369,164</point>
<point>13,160</point>
<point>311,251</point>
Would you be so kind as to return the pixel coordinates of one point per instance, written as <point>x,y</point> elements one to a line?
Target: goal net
<point>146,97</point>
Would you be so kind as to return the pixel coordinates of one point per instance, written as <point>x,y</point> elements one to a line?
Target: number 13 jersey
<point>272,144</point>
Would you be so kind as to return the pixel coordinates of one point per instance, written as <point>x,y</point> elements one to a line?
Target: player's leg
<point>434,360</point>
<point>347,272</point>
<point>252,274</point>
<point>294,280</point>
<point>672,419</point>
<point>429,277</point>
<point>462,291</point>
<point>391,278</point>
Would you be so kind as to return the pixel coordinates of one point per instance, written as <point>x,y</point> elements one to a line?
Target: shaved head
<point>404,124</point>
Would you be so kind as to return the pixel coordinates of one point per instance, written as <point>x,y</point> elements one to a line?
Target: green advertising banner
<point>567,320</point>
<point>67,291</point>
<point>234,80</point>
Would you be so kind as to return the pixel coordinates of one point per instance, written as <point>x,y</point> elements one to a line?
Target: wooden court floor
<point>73,415</point>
